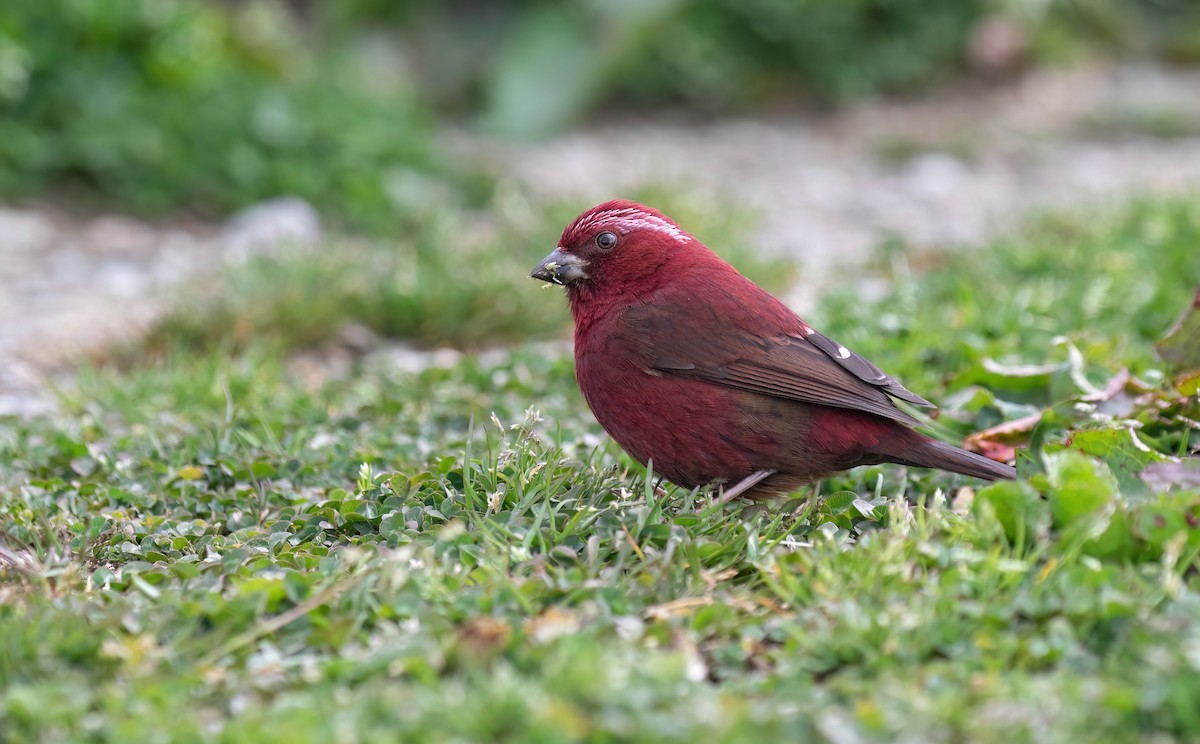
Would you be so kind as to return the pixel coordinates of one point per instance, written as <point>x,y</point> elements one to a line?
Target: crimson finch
<point>694,369</point>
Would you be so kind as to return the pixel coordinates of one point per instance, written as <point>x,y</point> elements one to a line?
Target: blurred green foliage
<point>161,104</point>
<point>532,67</point>
<point>209,106</point>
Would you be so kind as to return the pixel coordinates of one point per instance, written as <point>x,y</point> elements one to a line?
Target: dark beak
<point>560,268</point>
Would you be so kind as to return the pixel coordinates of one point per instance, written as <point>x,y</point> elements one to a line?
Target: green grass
<point>453,280</point>
<point>205,549</point>
<point>209,107</point>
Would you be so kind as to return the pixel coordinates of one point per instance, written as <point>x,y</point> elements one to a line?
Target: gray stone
<point>114,234</point>
<point>23,231</point>
<point>288,221</point>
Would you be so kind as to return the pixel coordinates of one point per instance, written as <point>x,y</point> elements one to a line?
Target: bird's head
<point>614,249</point>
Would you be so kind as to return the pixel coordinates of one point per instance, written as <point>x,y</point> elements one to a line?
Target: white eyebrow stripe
<point>630,219</point>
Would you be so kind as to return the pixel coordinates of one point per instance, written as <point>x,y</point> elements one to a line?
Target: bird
<point>707,378</point>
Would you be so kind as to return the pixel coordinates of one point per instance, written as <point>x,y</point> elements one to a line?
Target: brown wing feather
<point>789,366</point>
<point>864,369</point>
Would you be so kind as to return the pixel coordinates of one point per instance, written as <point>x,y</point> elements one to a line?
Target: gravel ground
<point>830,188</point>
<point>949,170</point>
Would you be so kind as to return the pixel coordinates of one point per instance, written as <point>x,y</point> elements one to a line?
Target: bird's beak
<point>560,267</point>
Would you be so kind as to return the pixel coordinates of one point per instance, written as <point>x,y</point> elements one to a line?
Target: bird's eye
<point>606,241</point>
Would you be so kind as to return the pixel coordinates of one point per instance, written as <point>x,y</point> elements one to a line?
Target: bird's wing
<point>799,365</point>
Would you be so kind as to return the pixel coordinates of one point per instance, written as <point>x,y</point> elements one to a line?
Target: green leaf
<point>1117,541</point>
<point>1125,454</point>
<point>1169,515</point>
<point>836,503</point>
<point>1017,506</point>
<point>1079,487</point>
<point>1180,347</point>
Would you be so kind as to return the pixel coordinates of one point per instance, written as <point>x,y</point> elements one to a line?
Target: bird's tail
<point>930,453</point>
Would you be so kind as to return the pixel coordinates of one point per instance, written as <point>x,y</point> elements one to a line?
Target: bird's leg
<point>745,484</point>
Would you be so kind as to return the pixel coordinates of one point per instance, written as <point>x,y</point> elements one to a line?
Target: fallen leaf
<point>999,442</point>
<point>1115,386</point>
<point>1162,475</point>
<point>484,633</point>
<point>1180,348</point>
<point>552,624</point>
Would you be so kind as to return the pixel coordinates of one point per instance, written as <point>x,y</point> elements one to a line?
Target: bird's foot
<point>745,484</point>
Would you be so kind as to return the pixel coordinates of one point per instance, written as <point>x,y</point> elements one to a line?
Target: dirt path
<point>952,169</point>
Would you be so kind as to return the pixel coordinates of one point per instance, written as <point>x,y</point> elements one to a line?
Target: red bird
<point>694,368</point>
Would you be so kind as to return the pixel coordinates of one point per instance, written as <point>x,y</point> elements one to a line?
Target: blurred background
<point>326,174</point>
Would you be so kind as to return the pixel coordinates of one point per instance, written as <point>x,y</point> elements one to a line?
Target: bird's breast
<point>694,432</point>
